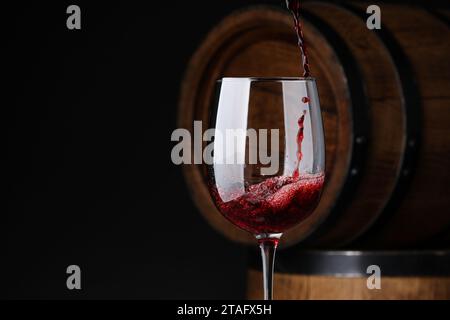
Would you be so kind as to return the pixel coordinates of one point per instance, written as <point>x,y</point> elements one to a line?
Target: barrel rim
<point>355,263</point>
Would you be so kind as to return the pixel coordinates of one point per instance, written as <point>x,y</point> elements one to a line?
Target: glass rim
<point>269,79</point>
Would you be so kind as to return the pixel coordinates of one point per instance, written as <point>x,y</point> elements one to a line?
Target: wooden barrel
<point>386,110</point>
<point>344,275</point>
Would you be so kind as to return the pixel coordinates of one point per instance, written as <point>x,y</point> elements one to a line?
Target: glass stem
<point>268,248</point>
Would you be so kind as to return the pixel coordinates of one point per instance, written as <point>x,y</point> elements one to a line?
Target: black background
<point>89,176</point>
<point>91,179</point>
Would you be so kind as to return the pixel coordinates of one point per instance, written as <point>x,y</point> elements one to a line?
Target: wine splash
<point>272,206</point>
<point>294,8</point>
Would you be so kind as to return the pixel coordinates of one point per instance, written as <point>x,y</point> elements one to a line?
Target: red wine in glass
<point>274,205</point>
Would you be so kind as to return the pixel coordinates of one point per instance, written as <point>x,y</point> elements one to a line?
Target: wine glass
<point>266,170</point>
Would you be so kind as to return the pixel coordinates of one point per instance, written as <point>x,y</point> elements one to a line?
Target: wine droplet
<point>301,121</point>
<point>305,99</point>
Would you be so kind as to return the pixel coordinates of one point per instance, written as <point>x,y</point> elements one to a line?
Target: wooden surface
<point>261,42</point>
<point>302,287</point>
